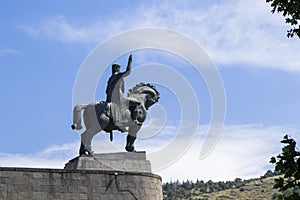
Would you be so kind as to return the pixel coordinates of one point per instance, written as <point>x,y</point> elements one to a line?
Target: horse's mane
<point>142,87</point>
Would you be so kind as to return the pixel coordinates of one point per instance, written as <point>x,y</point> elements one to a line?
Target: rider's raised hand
<point>130,58</point>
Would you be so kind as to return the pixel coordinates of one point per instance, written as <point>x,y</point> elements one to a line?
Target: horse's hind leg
<point>92,128</point>
<point>86,141</point>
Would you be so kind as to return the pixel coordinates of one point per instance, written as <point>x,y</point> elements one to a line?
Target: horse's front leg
<point>131,136</point>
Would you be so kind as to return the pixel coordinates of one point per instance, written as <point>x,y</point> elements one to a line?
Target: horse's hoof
<point>88,153</point>
<point>84,150</point>
<point>85,153</point>
<point>130,149</point>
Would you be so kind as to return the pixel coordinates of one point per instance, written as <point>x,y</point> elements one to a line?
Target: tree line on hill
<point>287,165</point>
<point>187,189</point>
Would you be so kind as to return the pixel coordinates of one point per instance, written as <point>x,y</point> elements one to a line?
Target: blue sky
<point>43,46</point>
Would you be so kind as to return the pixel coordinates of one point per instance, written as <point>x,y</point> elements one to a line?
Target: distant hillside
<point>256,190</point>
<point>253,189</point>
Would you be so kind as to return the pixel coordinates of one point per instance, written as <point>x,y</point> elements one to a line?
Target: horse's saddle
<point>115,115</point>
<point>107,109</point>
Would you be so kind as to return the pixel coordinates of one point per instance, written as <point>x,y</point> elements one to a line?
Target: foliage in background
<point>291,11</point>
<point>288,164</point>
<point>192,190</point>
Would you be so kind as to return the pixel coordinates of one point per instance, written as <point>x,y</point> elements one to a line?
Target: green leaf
<point>273,160</point>
<point>278,182</point>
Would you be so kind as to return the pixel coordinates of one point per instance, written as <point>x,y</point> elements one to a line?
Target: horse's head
<point>146,93</point>
<point>150,100</point>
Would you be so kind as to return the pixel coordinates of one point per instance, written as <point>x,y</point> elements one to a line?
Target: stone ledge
<point>121,161</point>
<point>79,171</point>
<point>139,155</point>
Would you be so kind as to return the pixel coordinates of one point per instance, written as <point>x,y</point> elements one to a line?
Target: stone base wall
<point>63,184</point>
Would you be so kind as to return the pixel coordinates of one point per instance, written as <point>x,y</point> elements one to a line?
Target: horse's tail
<point>77,116</point>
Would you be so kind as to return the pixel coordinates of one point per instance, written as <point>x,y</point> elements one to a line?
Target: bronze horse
<point>97,116</point>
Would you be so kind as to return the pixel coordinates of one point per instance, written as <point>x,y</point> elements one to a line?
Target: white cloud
<point>234,32</point>
<point>52,157</point>
<point>243,151</point>
<point>57,27</point>
<point>4,52</point>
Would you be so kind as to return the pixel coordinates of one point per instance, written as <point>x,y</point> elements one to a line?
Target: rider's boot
<point>129,145</point>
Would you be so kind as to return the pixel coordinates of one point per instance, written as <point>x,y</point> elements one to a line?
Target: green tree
<point>238,182</point>
<point>291,11</point>
<point>288,164</point>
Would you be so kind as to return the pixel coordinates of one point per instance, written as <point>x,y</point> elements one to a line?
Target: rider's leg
<point>116,115</point>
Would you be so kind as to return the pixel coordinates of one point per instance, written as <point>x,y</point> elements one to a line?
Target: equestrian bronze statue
<point>125,114</point>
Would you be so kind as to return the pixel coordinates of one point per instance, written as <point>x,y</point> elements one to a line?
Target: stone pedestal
<point>121,161</point>
<point>67,184</point>
<point>110,176</point>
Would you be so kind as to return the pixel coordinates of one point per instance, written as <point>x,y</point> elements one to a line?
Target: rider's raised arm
<point>128,68</point>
